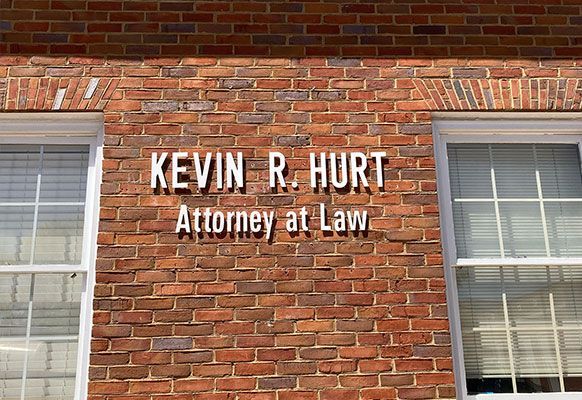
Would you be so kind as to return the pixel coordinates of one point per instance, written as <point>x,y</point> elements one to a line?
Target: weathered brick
<point>198,106</point>
<point>277,383</point>
<point>172,343</point>
<point>160,106</point>
<point>237,83</point>
<point>255,118</point>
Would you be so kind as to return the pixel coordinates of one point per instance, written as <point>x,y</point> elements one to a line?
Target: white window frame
<point>492,127</point>
<point>76,129</point>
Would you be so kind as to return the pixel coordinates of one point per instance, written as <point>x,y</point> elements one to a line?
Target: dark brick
<point>429,30</point>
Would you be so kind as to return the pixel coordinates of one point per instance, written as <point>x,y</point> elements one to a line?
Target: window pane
<point>560,170</point>
<point>470,171</point>
<point>56,305</point>
<point>571,355</point>
<point>50,353</point>
<point>14,301</point>
<point>16,224</point>
<point>59,236</point>
<point>12,353</point>
<point>19,167</point>
<point>476,229</point>
<point>482,322</point>
<point>573,383</point>
<point>522,229</point>
<point>515,171</point>
<point>64,173</point>
<point>526,232</point>
<point>51,370</point>
<point>564,220</point>
<point>534,353</point>
<point>62,170</point>
<point>538,385</point>
<point>529,294</point>
<point>526,290</point>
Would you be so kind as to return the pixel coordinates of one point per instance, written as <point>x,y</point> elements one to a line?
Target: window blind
<point>525,318</point>
<point>521,325</point>
<point>42,203</point>
<point>42,195</point>
<point>39,326</point>
<point>516,200</point>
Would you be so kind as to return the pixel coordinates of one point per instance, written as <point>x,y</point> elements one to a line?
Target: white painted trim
<point>42,269</point>
<point>528,396</point>
<point>526,133</point>
<point>40,203</point>
<point>90,257</point>
<point>510,262</point>
<point>449,256</point>
<point>65,124</point>
<point>518,127</point>
<point>500,116</point>
<point>510,200</point>
<point>497,127</point>
<point>67,128</point>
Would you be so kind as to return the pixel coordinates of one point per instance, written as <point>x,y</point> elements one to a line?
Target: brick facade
<point>366,28</point>
<point>312,317</point>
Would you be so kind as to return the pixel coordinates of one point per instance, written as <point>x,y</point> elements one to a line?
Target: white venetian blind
<point>533,312</point>
<point>519,322</point>
<point>39,326</point>
<point>42,197</point>
<point>516,200</point>
<point>42,203</point>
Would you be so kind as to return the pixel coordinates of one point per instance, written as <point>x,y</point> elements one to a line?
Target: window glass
<point>528,319</point>
<point>19,166</point>
<point>39,327</point>
<point>42,202</point>
<point>516,200</point>
<point>521,325</point>
<point>42,218</point>
<point>16,226</point>
<point>64,173</point>
<point>59,235</point>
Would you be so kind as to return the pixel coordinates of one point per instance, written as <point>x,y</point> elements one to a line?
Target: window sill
<point>528,396</point>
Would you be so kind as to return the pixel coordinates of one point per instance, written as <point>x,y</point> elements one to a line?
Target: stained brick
<point>255,118</point>
<point>155,106</point>
<point>172,343</point>
<point>236,83</point>
<point>198,106</point>
<point>277,383</point>
<point>255,287</point>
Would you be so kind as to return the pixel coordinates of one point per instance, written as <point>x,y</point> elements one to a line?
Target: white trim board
<point>501,116</point>
<point>528,396</point>
<point>67,124</point>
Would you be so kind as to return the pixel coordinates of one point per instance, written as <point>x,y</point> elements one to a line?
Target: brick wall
<point>310,317</point>
<point>369,28</point>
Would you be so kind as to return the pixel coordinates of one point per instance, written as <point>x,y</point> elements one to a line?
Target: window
<point>49,177</point>
<point>510,193</point>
